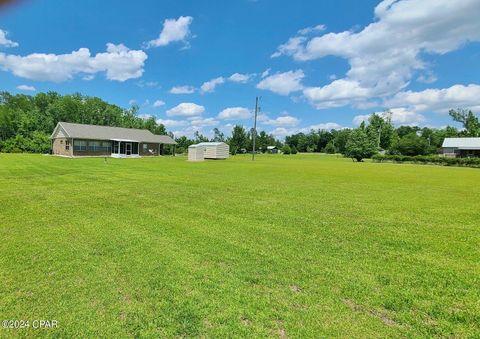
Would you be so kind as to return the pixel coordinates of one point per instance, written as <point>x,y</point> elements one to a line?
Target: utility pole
<point>254,132</point>
<point>379,136</point>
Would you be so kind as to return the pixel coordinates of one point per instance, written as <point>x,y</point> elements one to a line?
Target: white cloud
<point>173,30</point>
<point>290,47</point>
<point>338,93</point>
<point>313,29</point>
<point>26,88</point>
<point>398,116</point>
<point>186,109</point>
<point>209,86</point>
<point>158,103</point>
<point>358,119</point>
<point>119,63</point>
<point>438,100</point>
<point>237,77</point>
<point>172,123</point>
<point>384,55</point>
<point>142,83</point>
<point>324,126</point>
<point>132,102</point>
<point>203,122</point>
<point>428,78</point>
<point>6,42</point>
<point>233,113</point>
<point>281,132</point>
<point>283,83</point>
<point>266,73</point>
<point>182,90</point>
<point>285,120</point>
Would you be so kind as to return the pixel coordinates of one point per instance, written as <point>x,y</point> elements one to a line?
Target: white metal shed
<point>215,150</point>
<point>196,153</point>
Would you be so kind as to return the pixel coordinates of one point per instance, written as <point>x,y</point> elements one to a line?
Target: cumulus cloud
<point>158,103</point>
<point>338,93</point>
<point>172,123</point>
<point>265,73</point>
<point>237,77</point>
<point>438,100</point>
<point>398,116</point>
<point>118,62</point>
<point>209,86</point>
<point>182,90</point>
<point>26,88</point>
<point>281,132</point>
<point>6,42</point>
<point>233,113</point>
<point>313,29</point>
<point>385,55</point>
<point>285,120</point>
<point>173,30</point>
<point>283,83</point>
<point>186,109</point>
<point>203,122</point>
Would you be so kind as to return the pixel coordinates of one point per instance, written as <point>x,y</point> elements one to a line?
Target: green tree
<point>218,136</point>
<point>411,144</point>
<point>238,140</point>
<point>359,145</point>
<point>286,149</point>
<point>330,148</point>
<point>380,129</point>
<point>469,121</point>
<point>294,150</point>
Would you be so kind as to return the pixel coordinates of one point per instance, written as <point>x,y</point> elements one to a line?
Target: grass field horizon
<point>305,245</point>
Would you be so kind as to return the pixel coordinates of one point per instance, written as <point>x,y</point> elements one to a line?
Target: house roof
<point>81,131</point>
<point>272,147</point>
<point>462,143</point>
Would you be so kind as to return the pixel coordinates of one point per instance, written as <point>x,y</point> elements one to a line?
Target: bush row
<point>429,159</point>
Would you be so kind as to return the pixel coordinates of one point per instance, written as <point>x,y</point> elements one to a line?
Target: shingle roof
<point>81,131</point>
<point>462,143</point>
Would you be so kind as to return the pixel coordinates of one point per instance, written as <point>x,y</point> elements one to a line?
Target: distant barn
<point>208,150</point>
<point>461,147</point>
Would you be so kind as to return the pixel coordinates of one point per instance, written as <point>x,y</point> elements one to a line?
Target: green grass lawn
<point>287,246</point>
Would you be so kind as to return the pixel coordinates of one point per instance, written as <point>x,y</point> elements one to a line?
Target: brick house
<point>77,140</point>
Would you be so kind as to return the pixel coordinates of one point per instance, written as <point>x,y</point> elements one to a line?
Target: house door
<point>128,148</point>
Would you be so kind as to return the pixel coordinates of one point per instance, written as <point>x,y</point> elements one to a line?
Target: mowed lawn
<point>286,246</point>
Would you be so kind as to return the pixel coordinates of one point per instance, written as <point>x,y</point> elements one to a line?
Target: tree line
<point>26,123</point>
<point>378,134</point>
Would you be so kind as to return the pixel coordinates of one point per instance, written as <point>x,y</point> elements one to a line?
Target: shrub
<point>294,150</point>
<point>330,148</point>
<point>429,159</point>
<point>286,149</point>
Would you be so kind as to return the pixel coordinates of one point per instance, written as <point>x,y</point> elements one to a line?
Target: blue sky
<point>316,64</point>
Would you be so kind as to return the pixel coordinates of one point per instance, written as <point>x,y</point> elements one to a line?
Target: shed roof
<point>462,143</point>
<point>82,131</point>
<point>211,143</point>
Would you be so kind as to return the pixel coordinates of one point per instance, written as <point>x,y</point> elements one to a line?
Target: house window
<point>94,146</point>
<point>79,145</point>
<point>145,147</point>
<point>67,145</point>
